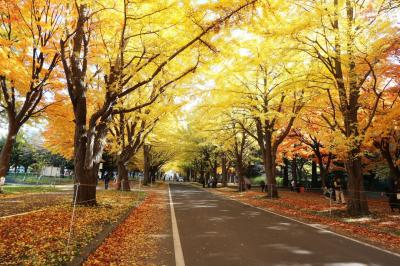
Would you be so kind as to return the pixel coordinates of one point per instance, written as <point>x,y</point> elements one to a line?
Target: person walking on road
<point>337,185</point>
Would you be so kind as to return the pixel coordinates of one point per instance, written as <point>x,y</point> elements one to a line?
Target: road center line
<point>179,260</point>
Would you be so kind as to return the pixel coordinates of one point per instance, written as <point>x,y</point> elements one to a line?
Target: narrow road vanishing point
<point>211,230</point>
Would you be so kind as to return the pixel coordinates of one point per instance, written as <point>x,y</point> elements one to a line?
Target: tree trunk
<point>314,176</point>
<point>123,180</point>
<point>270,172</point>
<point>323,171</point>
<point>208,174</point>
<point>202,179</point>
<point>152,173</point>
<point>85,177</point>
<point>286,172</point>
<point>224,170</point>
<point>188,171</point>
<point>146,169</point>
<point>90,134</point>
<point>85,185</point>
<point>62,169</point>
<point>214,169</point>
<point>6,151</point>
<point>240,175</point>
<point>294,170</point>
<point>357,202</point>
<point>193,175</point>
<point>300,171</point>
<point>269,158</point>
<point>394,174</point>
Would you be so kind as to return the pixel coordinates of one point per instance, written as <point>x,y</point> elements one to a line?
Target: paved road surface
<point>218,231</point>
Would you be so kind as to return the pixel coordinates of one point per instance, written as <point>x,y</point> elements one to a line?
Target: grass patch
<point>28,189</point>
<point>256,180</point>
<point>34,179</point>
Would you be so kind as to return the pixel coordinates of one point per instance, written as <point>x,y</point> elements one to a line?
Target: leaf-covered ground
<point>31,200</point>
<point>136,241</point>
<point>381,228</point>
<point>40,238</point>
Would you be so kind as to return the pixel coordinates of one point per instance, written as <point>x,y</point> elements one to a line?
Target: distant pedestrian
<point>293,185</point>
<point>107,180</point>
<point>247,183</point>
<point>262,185</point>
<point>337,186</point>
<point>2,183</point>
<point>328,193</point>
<point>214,182</point>
<point>394,199</point>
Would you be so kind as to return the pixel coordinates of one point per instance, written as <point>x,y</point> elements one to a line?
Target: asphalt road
<point>218,231</point>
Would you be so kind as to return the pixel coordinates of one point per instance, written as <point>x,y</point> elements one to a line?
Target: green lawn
<point>33,179</point>
<point>256,180</point>
<point>10,189</point>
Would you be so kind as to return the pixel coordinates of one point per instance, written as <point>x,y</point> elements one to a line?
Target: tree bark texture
<point>146,154</point>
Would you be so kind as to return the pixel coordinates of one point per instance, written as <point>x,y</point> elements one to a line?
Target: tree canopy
<point>209,87</point>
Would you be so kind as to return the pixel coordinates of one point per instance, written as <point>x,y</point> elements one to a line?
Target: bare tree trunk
<point>286,172</point>
<point>85,176</point>
<point>270,171</point>
<point>208,174</point>
<point>85,185</point>
<point>5,155</point>
<point>224,170</point>
<point>357,202</point>
<point>240,175</point>
<point>202,178</point>
<point>314,176</point>
<point>294,170</point>
<point>394,174</point>
<point>323,171</point>
<point>146,167</point>
<point>123,181</point>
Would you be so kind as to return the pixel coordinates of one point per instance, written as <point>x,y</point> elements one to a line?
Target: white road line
<point>310,225</point>
<point>179,260</point>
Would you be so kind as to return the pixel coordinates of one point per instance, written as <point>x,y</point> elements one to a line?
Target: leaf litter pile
<point>381,228</point>
<point>135,241</point>
<point>40,238</point>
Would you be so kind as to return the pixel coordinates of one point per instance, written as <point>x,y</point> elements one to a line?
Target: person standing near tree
<point>2,182</point>
<point>293,187</point>
<point>107,179</point>
<point>337,185</point>
<point>262,185</point>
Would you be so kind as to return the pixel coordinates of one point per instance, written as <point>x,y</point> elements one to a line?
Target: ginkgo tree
<point>350,40</point>
<point>29,32</point>
<point>150,49</point>
<point>267,84</point>
<point>384,133</point>
<point>130,131</point>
